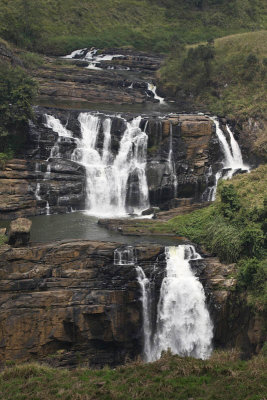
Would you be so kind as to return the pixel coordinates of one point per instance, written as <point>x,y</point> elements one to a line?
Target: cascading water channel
<point>108,176</point>
<point>183,323</point>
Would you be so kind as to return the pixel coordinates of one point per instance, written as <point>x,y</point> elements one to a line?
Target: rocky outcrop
<point>123,80</point>
<point>180,151</point>
<point>69,303</point>
<point>253,141</point>
<point>8,56</point>
<point>236,323</point>
<point>72,301</point>
<point>184,146</point>
<point>23,182</point>
<point>19,232</point>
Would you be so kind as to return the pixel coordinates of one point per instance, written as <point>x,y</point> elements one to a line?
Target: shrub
<point>230,202</point>
<point>17,90</point>
<point>224,240</point>
<point>252,241</point>
<point>252,274</point>
<point>4,157</point>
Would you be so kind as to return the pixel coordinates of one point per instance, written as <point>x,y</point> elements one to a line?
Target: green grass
<point>235,85</point>
<point>211,228</point>
<point>222,377</point>
<point>61,26</point>
<point>3,239</point>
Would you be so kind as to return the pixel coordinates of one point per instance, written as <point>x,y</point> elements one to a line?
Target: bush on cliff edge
<point>17,91</point>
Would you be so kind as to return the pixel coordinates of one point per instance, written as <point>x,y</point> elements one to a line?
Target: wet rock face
<point>236,324</point>
<point>20,196</point>
<point>180,150</point>
<point>70,300</point>
<point>69,303</point>
<point>121,81</point>
<point>194,148</point>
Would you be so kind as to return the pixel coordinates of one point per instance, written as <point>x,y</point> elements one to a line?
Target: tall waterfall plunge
<point>108,177</point>
<point>183,323</point>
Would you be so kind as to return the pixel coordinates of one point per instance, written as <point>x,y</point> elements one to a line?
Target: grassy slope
<point>223,377</point>
<point>232,92</point>
<point>251,189</point>
<point>58,27</point>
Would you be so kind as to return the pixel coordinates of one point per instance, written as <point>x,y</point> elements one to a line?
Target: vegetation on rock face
<point>227,77</point>
<point>17,90</point>
<point>222,377</point>
<point>234,228</point>
<point>61,26</point>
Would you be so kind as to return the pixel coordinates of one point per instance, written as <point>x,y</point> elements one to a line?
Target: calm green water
<point>78,225</point>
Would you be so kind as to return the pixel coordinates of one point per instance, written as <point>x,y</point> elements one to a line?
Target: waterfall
<point>108,176</point>
<point>232,162</point>
<point>172,163</point>
<point>93,57</point>
<point>183,323</point>
<point>146,306</point>
<point>153,89</point>
<point>63,133</point>
<point>125,256</point>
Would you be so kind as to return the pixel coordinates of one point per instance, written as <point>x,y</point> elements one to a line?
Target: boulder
<point>19,232</point>
<point>151,210</point>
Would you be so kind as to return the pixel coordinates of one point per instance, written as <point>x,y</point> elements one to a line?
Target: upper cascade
<point>108,176</point>
<point>232,162</point>
<point>93,57</point>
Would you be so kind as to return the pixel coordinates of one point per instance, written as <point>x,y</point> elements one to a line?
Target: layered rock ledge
<point>69,304</point>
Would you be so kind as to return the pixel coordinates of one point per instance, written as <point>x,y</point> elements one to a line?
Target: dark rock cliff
<point>181,148</point>
<point>68,303</point>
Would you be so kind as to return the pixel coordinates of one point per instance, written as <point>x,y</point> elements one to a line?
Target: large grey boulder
<point>19,232</point>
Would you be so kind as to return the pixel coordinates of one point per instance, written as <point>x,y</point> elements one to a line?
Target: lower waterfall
<point>183,323</point>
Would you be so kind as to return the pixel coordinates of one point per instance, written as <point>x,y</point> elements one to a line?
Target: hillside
<point>226,78</point>
<point>58,27</point>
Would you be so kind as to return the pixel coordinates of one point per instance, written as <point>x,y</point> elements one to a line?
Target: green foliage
<point>231,81</point>
<point>230,203</point>
<point>252,241</point>
<point>3,239</point>
<point>61,26</point>
<point>16,95</point>
<point>252,274</point>
<point>223,239</point>
<point>4,157</point>
<point>31,60</point>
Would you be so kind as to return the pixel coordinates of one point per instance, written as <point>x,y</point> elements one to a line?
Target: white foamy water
<point>172,164</point>
<point>108,176</point>
<point>92,57</point>
<point>56,125</point>
<point>232,154</point>
<point>232,162</point>
<point>183,323</point>
<point>153,89</point>
<point>146,305</point>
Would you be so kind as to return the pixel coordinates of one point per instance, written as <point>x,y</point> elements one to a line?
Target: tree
<point>17,91</point>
